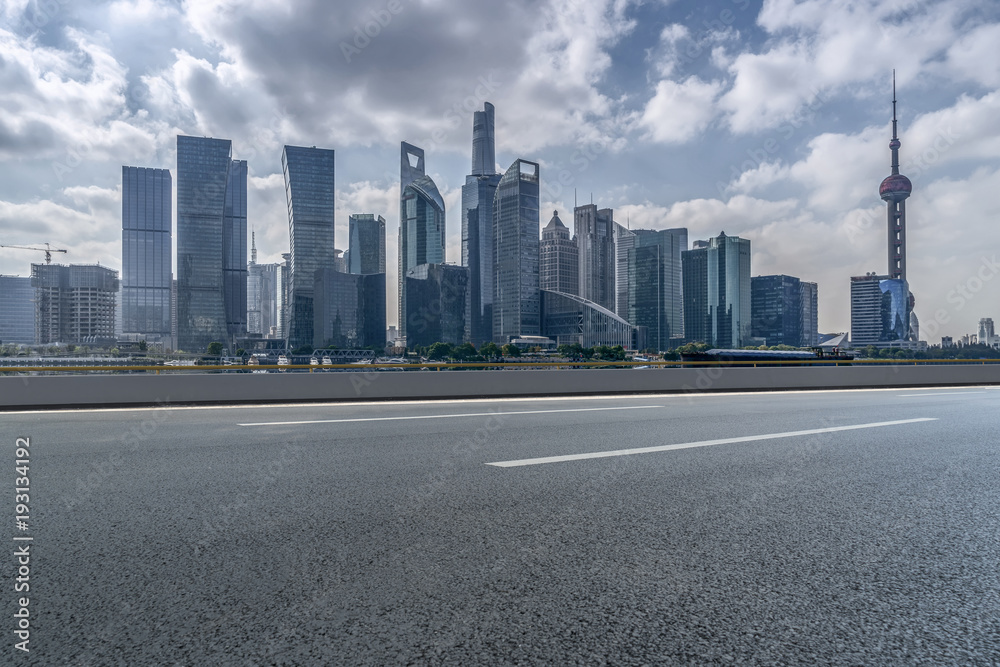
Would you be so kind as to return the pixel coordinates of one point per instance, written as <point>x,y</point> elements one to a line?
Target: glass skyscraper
<point>516,298</point>
<point>717,292</point>
<point>477,226</point>
<point>655,291</point>
<point>436,298</point>
<point>17,304</point>
<point>309,191</point>
<point>349,309</point>
<point>421,221</point>
<point>366,249</point>
<point>776,310</point>
<point>593,230</point>
<point>147,250</point>
<point>880,310</point>
<point>211,243</point>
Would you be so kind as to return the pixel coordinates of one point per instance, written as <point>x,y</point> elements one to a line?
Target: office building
<point>349,310</point>
<point>74,304</point>
<point>421,221</point>
<point>716,284</point>
<point>366,244</point>
<point>593,230</point>
<point>147,251</point>
<point>211,243</point>
<point>654,284</point>
<point>436,300</point>
<point>776,310</point>
<point>17,306</point>
<point>986,330</point>
<point>569,319</point>
<point>624,241</point>
<point>262,295</point>
<point>810,313</point>
<point>477,226</point>
<point>309,191</point>
<point>879,311</point>
<point>516,300</point>
<point>558,258</point>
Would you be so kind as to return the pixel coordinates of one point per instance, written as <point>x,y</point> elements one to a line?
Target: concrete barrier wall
<point>191,388</point>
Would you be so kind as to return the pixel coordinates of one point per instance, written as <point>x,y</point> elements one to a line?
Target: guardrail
<point>20,390</point>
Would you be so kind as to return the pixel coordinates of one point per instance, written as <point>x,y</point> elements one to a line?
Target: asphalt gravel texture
<point>378,534</point>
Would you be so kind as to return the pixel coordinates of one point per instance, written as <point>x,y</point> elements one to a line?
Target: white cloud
<point>678,112</point>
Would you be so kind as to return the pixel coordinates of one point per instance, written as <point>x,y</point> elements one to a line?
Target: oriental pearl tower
<point>894,190</point>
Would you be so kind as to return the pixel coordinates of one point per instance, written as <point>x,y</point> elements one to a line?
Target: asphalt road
<point>384,534</point>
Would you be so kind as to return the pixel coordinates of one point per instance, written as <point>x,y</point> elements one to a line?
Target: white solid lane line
<point>947,393</point>
<point>497,413</point>
<point>702,443</point>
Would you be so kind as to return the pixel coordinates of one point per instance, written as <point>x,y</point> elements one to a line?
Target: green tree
<point>303,349</point>
<point>143,346</point>
<point>215,348</point>
<point>489,350</point>
<point>464,352</point>
<point>440,351</point>
<point>511,350</point>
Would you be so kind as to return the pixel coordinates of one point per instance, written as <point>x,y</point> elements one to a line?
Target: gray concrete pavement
<point>377,534</point>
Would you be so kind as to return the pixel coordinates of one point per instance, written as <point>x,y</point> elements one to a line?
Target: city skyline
<point>657,109</point>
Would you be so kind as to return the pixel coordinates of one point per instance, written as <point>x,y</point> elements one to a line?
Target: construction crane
<point>48,250</point>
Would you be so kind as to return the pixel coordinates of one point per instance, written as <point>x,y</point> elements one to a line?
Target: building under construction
<point>74,304</point>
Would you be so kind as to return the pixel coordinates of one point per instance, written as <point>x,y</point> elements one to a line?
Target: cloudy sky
<point>769,120</point>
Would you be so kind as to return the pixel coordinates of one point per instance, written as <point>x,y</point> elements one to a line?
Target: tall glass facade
<point>624,241</point>
<point>810,313</point>
<point>436,304</point>
<point>880,310</point>
<point>17,304</point>
<point>776,310</point>
<point>729,290</point>
<point>655,290</point>
<point>366,251</point>
<point>211,243</point>
<point>147,196</point>
<point>349,309</point>
<point>477,226</point>
<point>516,299</point>
<point>309,191</point>
<point>594,231</point>
<point>421,221</point>
<point>717,292</point>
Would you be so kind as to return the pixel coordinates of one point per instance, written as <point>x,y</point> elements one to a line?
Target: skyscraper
<point>477,226</point>
<point>147,252</point>
<point>624,241</point>
<point>421,221</point>
<point>810,313</point>
<point>436,304</point>
<point>262,295</point>
<point>211,243</point>
<point>516,299</point>
<point>309,190</point>
<point>655,291</point>
<point>717,292</point>
<point>559,258</point>
<point>776,310</point>
<point>17,303</point>
<point>366,249</point>
<point>879,310</point>
<point>593,230</point>
<point>349,309</point>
